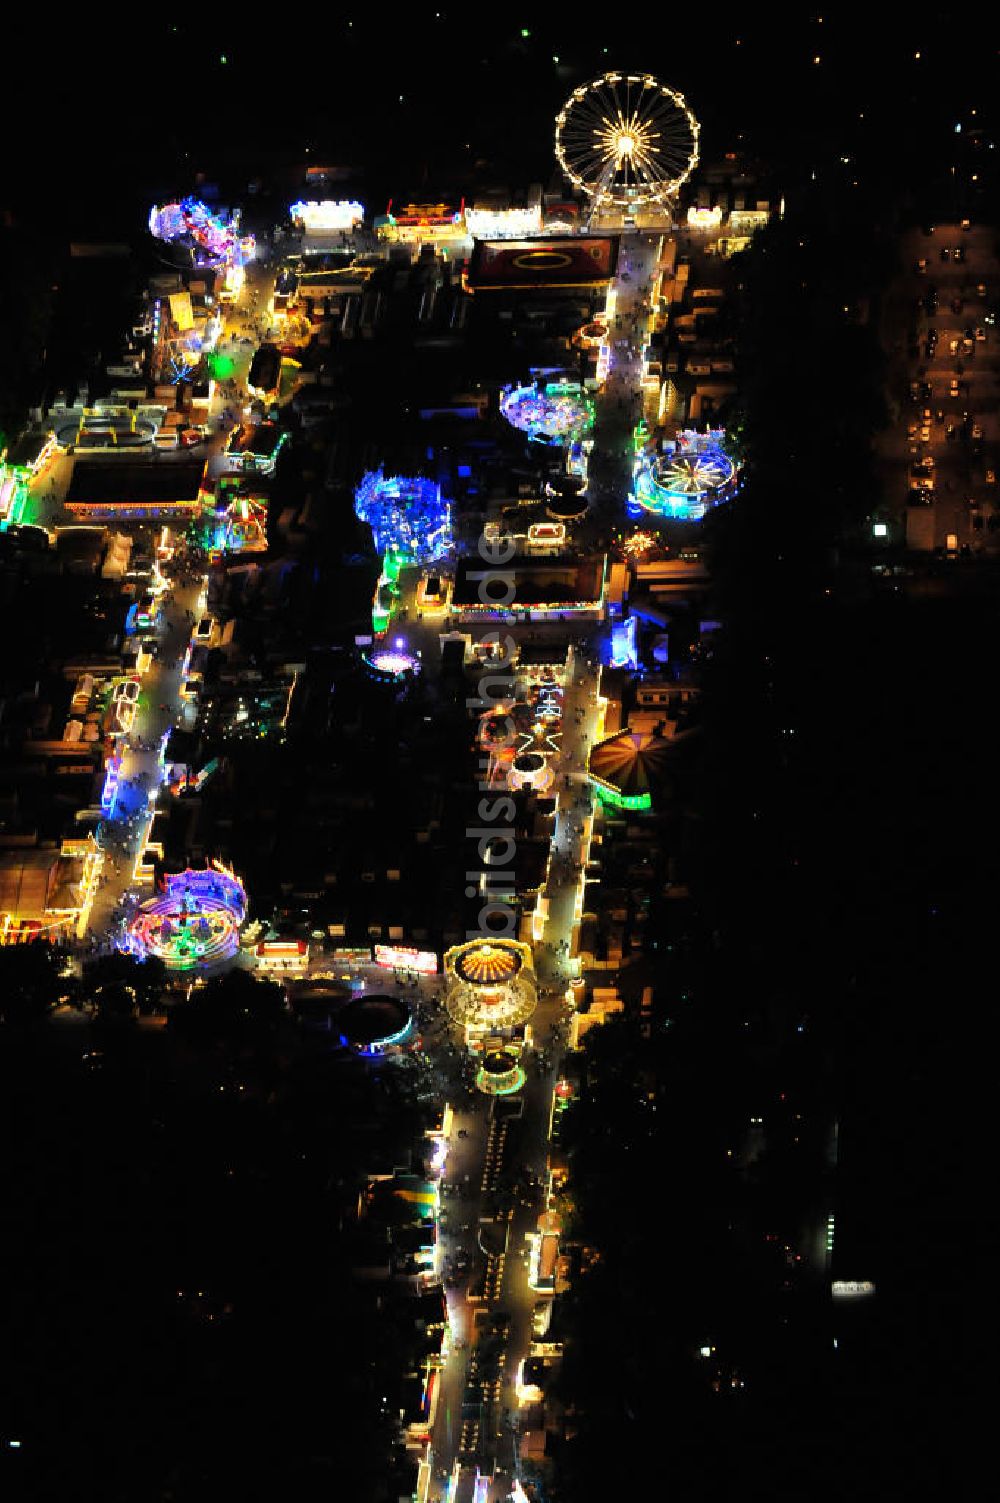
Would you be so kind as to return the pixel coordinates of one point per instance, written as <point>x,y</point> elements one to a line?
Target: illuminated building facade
<point>326,214</point>
<point>255,447</point>
<point>415,223</point>
<point>499,224</point>
<point>136,488</point>
<point>48,894</point>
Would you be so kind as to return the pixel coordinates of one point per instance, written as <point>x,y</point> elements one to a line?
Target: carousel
<point>501,1073</point>
<point>490,984</point>
<point>627,768</point>
<point>193,921</point>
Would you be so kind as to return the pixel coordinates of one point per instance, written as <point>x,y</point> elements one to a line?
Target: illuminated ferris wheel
<point>626,140</point>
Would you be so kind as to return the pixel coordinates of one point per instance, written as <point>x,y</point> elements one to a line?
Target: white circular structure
<point>531,770</point>
<point>626,139</point>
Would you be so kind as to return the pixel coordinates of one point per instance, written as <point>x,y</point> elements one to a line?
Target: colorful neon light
<point>326,214</point>
<point>239,524</point>
<point>393,664</point>
<point>500,1074</point>
<point>195,920</point>
<point>639,803</point>
<point>211,240</point>
<point>406,958</point>
<point>558,412</point>
<point>109,793</point>
<point>624,766</point>
<point>408,516</point>
<point>378,1046</point>
<point>624,652</point>
<point>692,474</point>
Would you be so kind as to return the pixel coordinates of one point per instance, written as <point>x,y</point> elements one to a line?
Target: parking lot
<point>942,338</point>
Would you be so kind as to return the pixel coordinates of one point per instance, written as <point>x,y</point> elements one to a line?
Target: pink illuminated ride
<point>194,920</point>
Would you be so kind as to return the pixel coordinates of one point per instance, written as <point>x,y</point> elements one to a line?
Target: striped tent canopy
<point>627,767</point>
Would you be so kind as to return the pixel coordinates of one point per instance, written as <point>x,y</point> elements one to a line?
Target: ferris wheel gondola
<point>627,140</point>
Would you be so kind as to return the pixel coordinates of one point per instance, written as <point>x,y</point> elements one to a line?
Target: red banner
<point>545,261</point>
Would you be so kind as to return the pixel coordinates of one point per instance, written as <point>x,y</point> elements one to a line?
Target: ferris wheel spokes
<point>626,140</point>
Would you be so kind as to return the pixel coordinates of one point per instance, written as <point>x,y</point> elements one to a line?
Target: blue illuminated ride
<point>180,370</point>
<point>408,517</point>
<point>692,473</point>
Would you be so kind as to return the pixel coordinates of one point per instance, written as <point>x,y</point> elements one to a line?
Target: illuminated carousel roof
<point>630,762</point>
<point>490,984</point>
<point>488,964</point>
<point>494,730</point>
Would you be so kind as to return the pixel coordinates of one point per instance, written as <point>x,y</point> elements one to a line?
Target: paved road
<point>619,407</point>
<point>160,704</point>
<point>620,401</point>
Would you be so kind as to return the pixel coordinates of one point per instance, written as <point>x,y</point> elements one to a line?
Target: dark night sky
<point>154,102</point>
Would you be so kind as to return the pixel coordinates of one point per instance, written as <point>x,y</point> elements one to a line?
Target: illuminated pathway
<point>160,686</point>
<point>619,407</point>
<point>573,823</point>
<point>620,401</point>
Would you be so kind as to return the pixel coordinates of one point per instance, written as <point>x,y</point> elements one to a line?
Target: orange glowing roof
<point>487,964</point>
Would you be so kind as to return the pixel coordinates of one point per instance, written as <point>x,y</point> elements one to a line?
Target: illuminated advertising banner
<point>327,214</point>
<point>405,958</point>
<point>487,224</point>
<point>181,311</point>
<point>549,261</point>
<point>353,954</point>
<point>8,491</point>
<point>283,949</point>
<point>704,219</point>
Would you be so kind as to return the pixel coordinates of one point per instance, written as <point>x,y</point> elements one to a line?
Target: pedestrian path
<point>573,822</point>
